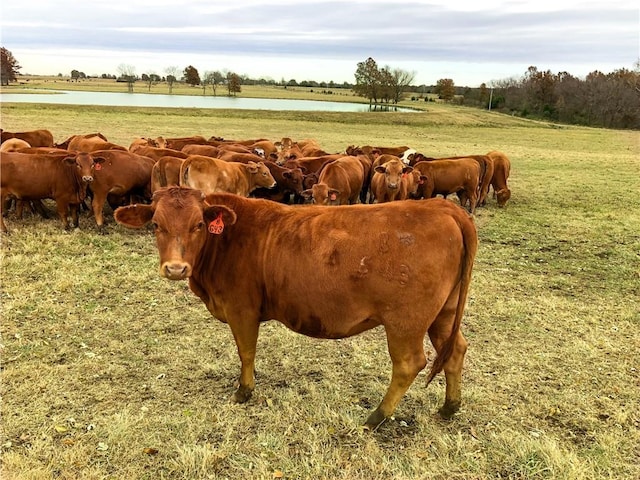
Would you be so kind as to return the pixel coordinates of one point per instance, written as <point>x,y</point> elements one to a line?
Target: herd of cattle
<point>367,260</point>
<point>89,167</point>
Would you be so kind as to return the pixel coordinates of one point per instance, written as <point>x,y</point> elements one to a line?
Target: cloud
<point>569,33</point>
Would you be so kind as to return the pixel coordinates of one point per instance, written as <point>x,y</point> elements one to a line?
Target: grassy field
<point>110,372</point>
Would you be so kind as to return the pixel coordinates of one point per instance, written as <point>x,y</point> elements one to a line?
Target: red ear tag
<point>97,166</point>
<point>333,197</point>
<point>404,175</point>
<point>217,225</point>
<point>421,182</point>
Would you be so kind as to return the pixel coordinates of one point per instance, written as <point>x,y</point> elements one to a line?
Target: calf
<point>121,175</point>
<point>339,183</point>
<point>460,176</point>
<point>63,178</point>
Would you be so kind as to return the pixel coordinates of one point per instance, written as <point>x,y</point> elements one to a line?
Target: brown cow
<point>214,175</point>
<point>501,170</point>
<point>196,149</point>
<point>14,145</point>
<point>166,173</point>
<point>444,177</point>
<point>64,178</point>
<point>288,182</point>
<point>121,175</point>
<point>388,182</point>
<point>178,143</point>
<point>405,266</point>
<point>158,152</point>
<point>92,143</point>
<point>35,138</point>
<point>339,183</point>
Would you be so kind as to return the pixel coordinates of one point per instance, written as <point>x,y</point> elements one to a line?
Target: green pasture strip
<point>109,371</point>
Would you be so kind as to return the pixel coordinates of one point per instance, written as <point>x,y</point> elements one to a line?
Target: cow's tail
<point>184,172</point>
<point>470,241</point>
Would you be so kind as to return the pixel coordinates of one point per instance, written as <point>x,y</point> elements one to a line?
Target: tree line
<point>605,100</point>
<point>601,100</point>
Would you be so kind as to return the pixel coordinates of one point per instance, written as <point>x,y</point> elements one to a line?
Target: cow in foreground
<point>405,266</point>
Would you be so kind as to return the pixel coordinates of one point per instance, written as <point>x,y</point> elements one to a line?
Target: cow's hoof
<point>374,421</point>
<point>449,409</point>
<point>242,394</point>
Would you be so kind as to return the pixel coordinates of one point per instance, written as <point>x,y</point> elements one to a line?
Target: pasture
<point>110,372</point>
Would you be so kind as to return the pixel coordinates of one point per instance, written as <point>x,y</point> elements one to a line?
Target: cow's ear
<point>307,194</point>
<point>407,169</point>
<point>99,160</point>
<point>69,160</point>
<point>133,216</point>
<point>213,212</point>
<point>287,174</point>
<point>380,169</point>
<point>252,167</point>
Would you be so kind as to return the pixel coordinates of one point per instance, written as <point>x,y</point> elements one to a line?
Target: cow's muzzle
<point>87,178</point>
<point>175,270</point>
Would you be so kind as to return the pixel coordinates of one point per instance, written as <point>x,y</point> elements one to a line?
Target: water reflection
<point>187,101</point>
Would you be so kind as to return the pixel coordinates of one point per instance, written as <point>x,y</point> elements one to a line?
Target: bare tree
<point>172,76</point>
<point>127,74</point>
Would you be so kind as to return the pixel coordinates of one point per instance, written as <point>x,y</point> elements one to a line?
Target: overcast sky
<point>470,42</point>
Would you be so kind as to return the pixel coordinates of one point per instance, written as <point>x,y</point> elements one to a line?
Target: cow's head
<point>293,179</point>
<point>261,174</point>
<point>181,221</point>
<point>321,194</point>
<point>393,171</point>
<point>503,195</point>
<point>85,165</point>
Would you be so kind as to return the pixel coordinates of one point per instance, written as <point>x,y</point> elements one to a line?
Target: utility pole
<point>490,98</point>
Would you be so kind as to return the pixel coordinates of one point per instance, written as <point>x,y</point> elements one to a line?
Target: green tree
<point>368,81</point>
<point>191,76</point>
<point>9,67</point>
<point>446,89</point>
<point>233,83</point>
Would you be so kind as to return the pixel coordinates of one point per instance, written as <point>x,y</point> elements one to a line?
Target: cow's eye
<point>199,226</point>
<point>155,226</point>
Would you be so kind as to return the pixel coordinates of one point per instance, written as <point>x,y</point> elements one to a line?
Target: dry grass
<point>109,371</point>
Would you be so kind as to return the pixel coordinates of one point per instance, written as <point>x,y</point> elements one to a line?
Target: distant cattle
<point>35,138</point>
<point>339,183</point>
<point>445,177</point>
<point>501,171</point>
<point>63,178</point>
<point>119,177</point>
<point>405,266</point>
<point>214,175</point>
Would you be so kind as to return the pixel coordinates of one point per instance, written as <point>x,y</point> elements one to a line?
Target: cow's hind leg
<point>408,359</point>
<point>439,333</point>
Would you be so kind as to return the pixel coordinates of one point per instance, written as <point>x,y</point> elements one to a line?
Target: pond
<point>183,101</point>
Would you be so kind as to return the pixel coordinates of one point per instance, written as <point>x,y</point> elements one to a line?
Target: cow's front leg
<point>245,333</point>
